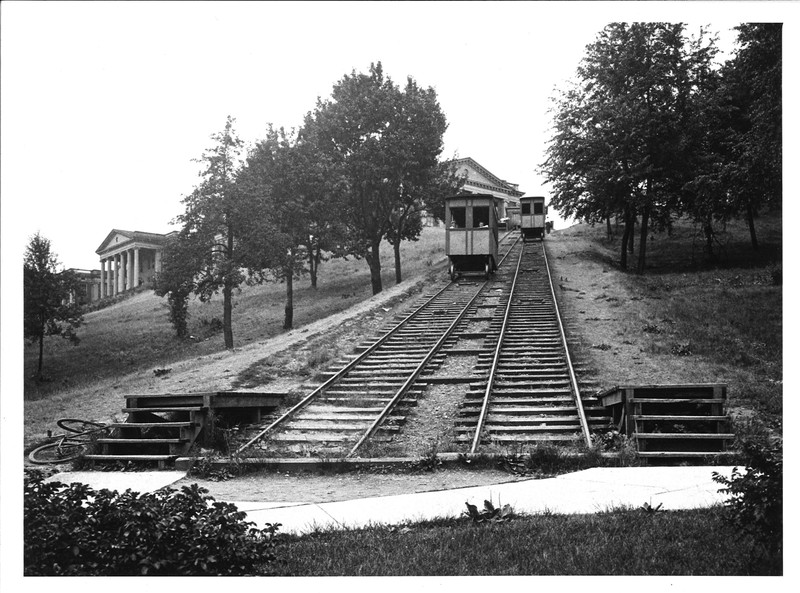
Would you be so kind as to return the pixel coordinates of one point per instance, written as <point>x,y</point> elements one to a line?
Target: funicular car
<point>532,217</point>
<point>471,242</point>
<point>513,217</point>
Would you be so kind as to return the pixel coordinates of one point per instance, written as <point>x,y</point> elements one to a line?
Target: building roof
<point>135,237</point>
<point>486,179</point>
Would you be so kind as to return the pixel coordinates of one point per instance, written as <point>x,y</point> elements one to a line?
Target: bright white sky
<point>104,105</point>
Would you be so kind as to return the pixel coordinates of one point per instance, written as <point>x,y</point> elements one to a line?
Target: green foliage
<point>755,502</point>
<point>46,296</point>
<point>75,530</point>
<point>489,513</point>
<point>653,130</point>
<point>384,143</point>
<point>176,282</point>
<point>215,217</point>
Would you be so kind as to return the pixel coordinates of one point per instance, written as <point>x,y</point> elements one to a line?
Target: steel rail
<point>436,347</point>
<point>490,383</point>
<point>573,380</point>
<point>346,369</point>
<point>390,405</point>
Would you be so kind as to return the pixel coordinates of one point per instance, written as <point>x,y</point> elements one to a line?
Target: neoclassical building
<point>481,181</point>
<point>129,259</point>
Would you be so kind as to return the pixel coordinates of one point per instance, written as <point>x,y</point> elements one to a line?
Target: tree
<point>620,133</point>
<point>385,142</point>
<point>49,306</point>
<point>176,281</point>
<point>214,217</point>
<point>754,81</point>
<point>285,185</point>
<point>413,153</point>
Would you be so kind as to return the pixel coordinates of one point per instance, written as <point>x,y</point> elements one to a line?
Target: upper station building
<point>479,180</point>
<point>129,259</point>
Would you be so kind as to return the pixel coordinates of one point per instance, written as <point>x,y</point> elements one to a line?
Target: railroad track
<point>521,390</point>
<point>531,393</point>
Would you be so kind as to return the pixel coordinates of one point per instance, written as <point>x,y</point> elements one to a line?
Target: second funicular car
<point>533,213</point>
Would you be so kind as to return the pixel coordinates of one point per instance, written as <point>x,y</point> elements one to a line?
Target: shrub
<point>755,505</point>
<point>75,530</point>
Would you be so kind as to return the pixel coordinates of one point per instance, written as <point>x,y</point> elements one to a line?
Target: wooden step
<point>161,460</point>
<point>679,454</point>
<point>152,424</point>
<point>124,441</point>
<point>684,435</point>
<point>168,409</point>
<point>685,400</point>
<point>677,417</point>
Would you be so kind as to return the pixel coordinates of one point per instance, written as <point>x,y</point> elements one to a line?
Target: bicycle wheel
<point>79,426</point>
<point>62,451</point>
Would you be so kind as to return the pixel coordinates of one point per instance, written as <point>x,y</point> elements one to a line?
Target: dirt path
<point>316,488</point>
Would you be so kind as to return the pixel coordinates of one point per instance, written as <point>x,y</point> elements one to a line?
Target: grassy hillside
<point>135,334</point>
<point>689,319</point>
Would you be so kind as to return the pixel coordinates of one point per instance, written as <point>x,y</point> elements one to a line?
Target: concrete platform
<point>589,491</point>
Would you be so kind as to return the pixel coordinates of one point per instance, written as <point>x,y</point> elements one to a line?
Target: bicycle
<point>71,445</point>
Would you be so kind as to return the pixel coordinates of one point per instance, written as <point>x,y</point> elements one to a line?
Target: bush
<point>75,530</point>
<point>755,506</point>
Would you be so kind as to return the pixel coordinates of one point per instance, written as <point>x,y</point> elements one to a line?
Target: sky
<point>105,105</point>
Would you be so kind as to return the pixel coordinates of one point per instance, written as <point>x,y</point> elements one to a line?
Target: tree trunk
<point>398,277</point>
<point>632,233</point>
<point>752,224</point>
<point>708,231</point>
<point>288,312</point>
<point>313,263</point>
<point>227,291</point>
<point>41,354</point>
<point>623,256</point>
<point>373,258</point>
<point>627,233</point>
<point>609,232</point>
<point>643,239</point>
<point>227,315</point>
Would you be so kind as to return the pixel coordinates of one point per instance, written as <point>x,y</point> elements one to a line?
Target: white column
<point>129,269</point>
<point>158,261</point>
<point>111,278</point>
<point>116,275</point>
<point>102,278</point>
<point>136,267</point>
<point>126,265</point>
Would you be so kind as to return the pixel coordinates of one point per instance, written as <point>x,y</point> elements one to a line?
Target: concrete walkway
<point>589,491</point>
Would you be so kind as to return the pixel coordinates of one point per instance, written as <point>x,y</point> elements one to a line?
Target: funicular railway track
<point>522,389</point>
<point>531,393</point>
<point>371,393</point>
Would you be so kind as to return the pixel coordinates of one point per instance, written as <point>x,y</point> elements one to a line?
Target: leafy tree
<point>214,217</point>
<point>754,82</point>
<point>176,281</point>
<point>385,142</point>
<point>49,306</point>
<point>707,150</point>
<point>620,132</point>
<point>285,184</point>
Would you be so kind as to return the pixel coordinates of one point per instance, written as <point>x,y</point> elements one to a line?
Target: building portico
<point>129,259</point>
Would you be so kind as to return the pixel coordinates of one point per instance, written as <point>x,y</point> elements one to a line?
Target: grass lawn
<point>688,319</point>
<point>618,542</point>
<point>136,335</point>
